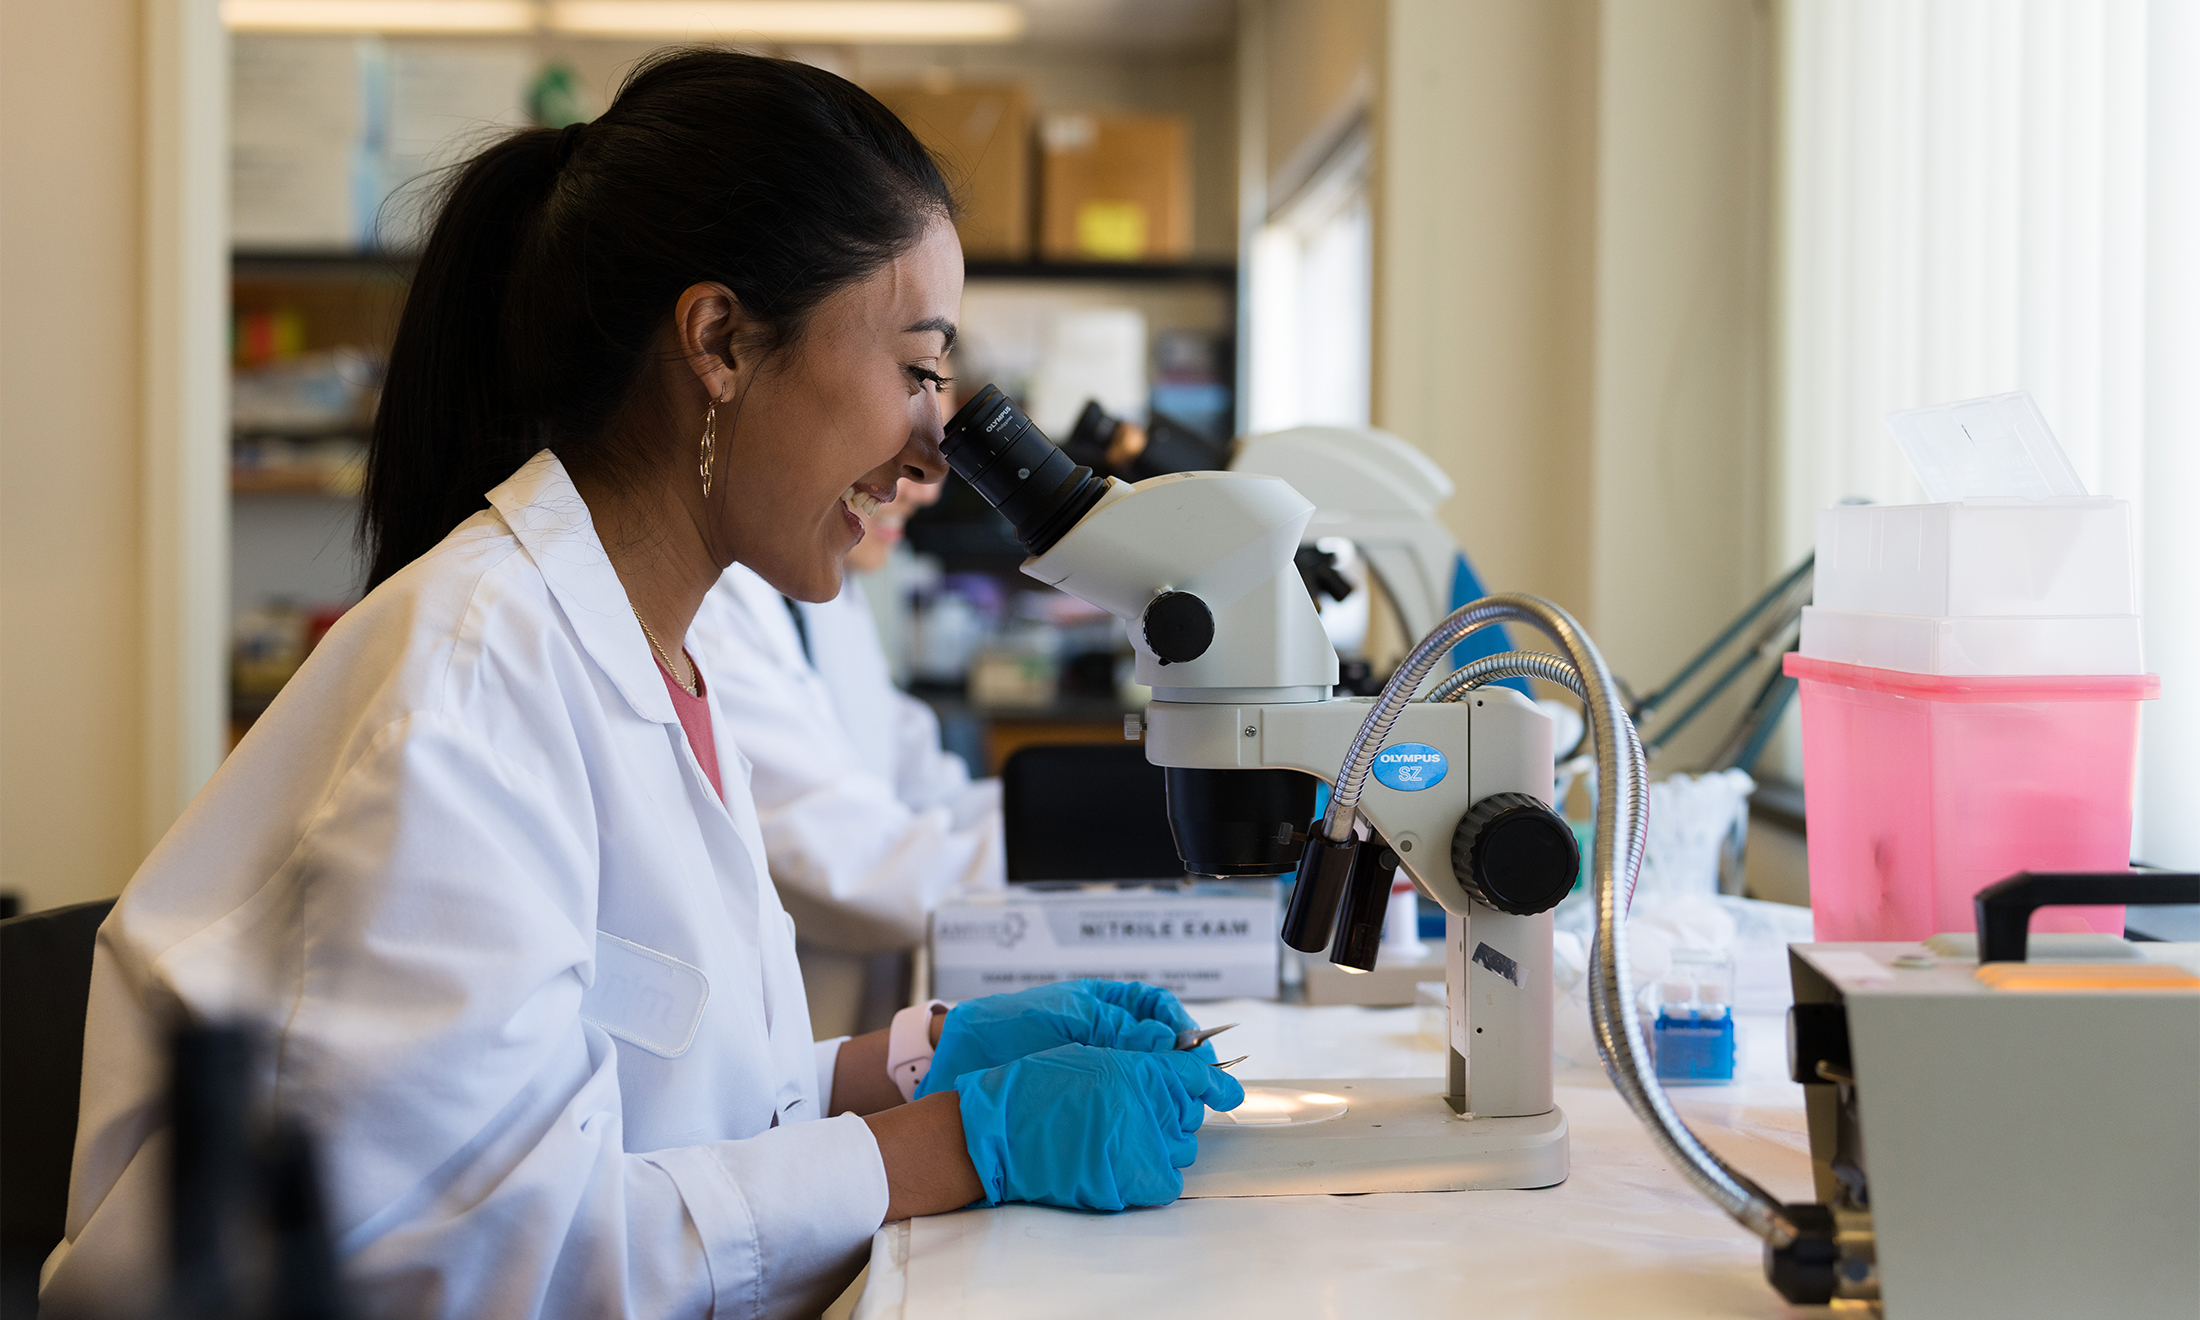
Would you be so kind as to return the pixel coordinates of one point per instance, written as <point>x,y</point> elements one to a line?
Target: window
<point>1311,302</point>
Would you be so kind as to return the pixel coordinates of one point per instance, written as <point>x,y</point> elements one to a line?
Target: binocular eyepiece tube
<point>1229,823</point>
<point>1042,493</point>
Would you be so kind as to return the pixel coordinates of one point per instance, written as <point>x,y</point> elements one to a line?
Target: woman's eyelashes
<point>926,376</point>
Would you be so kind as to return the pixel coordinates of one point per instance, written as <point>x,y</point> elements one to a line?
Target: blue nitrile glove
<point>1147,1003</point>
<point>997,1029</point>
<point>1088,1128</point>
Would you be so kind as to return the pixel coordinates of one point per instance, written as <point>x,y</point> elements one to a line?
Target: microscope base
<point>1397,1135</point>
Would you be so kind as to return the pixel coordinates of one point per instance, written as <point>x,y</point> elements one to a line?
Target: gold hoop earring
<point>710,443</point>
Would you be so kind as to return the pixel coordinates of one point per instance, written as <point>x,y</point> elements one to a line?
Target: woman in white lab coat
<point>891,728</point>
<point>868,823</point>
<point>487,876</point>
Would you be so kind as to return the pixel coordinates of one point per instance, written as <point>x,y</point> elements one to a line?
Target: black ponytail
<point>557,255</point>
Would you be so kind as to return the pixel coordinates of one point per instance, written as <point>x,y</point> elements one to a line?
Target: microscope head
<point>1199,566</point>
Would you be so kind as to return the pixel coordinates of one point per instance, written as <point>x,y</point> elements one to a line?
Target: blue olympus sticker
<point>1409,767</point>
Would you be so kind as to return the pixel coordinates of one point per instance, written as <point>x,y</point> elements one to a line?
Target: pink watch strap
<point>909,1047</point>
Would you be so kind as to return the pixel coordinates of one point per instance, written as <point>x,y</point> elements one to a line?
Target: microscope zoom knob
<point>1179,627</point>
<point>1515,854</point>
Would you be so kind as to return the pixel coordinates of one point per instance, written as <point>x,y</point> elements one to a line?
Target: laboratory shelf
<point>327,263</point>
<point>1207,272</point>
<point>321,261</point>
<point>294,481</point>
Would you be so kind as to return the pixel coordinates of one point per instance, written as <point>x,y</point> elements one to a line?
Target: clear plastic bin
<point>1978,557</point>
<point>1923,789</point>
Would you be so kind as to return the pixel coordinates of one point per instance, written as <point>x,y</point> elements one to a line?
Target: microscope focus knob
<point>1515,854</point>
<point>1179,627</point>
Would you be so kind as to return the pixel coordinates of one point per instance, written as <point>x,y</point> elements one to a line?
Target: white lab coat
<point>523,972</point>
<point>893,732</point>
<point>867,823</point>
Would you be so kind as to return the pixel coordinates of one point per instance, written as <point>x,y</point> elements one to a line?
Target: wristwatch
<point>909,1046</point>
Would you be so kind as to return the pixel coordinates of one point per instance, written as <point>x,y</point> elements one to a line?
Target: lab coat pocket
<point>648,998</point>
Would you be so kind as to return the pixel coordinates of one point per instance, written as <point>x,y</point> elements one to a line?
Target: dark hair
<point>557,256</point>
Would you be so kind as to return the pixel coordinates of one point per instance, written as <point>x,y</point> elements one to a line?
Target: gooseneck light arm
<point>1508,664</point>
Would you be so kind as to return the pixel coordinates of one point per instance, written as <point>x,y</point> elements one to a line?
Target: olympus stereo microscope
<point>1199,566</point>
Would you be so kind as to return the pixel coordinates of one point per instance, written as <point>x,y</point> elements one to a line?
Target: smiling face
<point>824,430</point>
<point>882,531</point>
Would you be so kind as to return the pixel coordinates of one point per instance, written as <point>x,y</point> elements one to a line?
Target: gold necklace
<point>689,686</point>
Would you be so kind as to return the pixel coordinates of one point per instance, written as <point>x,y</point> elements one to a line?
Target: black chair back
<point>1097,811</point>
<point>45,978</point>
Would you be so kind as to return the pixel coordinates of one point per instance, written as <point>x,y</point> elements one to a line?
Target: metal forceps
<point>1191,1038</point>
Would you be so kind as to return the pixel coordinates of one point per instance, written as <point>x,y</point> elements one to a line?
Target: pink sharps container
<point>1971,673</point>
<point>1924,789</point>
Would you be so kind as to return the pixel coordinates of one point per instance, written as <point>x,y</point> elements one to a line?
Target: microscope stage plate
<point>1396,1135</point>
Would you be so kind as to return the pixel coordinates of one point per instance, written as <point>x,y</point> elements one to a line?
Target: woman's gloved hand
<point>1088,1128</point>
<point>1119,1015</point>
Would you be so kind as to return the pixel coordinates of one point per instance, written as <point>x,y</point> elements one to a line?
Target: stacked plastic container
<point>1970,675</point>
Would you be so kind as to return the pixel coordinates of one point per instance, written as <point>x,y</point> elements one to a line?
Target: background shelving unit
<point>294,482</point>
<point>293,523</point>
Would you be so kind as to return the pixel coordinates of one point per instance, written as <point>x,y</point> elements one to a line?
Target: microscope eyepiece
<point>1036,486</point>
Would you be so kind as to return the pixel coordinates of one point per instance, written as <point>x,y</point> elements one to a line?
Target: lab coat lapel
<point>549,518</point>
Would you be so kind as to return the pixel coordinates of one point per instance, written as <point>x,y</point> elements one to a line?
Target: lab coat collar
<point>551,521</point>
<point>768,610</point>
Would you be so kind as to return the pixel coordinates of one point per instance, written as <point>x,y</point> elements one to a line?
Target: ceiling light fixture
<point>395,17</point>
<point>931,22</point>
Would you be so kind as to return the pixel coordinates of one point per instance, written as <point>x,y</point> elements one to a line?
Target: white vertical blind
<point>1964,212</point>
<point>2169,776</point>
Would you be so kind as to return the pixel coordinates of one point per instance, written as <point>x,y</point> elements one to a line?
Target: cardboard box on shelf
<point>1115,187</point>
<point>982,136</point>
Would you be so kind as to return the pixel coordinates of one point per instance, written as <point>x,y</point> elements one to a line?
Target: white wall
<point>70,628</point>
<point>1681,440</point>
<point>1484,258</point>
<point>110,703</point>
<point>1572,307</point>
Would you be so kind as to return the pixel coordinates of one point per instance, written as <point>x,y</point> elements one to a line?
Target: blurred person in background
<point>868,823</point>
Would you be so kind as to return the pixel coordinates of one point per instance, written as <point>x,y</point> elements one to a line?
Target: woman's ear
<point>712,329</point>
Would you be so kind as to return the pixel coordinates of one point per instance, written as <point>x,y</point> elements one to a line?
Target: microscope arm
<point>1497,964</point>
<point>1513,735</point>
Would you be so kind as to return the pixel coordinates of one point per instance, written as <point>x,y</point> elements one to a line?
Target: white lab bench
<point>1624,1235</point>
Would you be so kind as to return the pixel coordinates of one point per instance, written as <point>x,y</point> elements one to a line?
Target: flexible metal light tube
<point>1508,664</point>
<point>1551,669</point>
<point>1476,673</point>
<point>1622,772</point>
